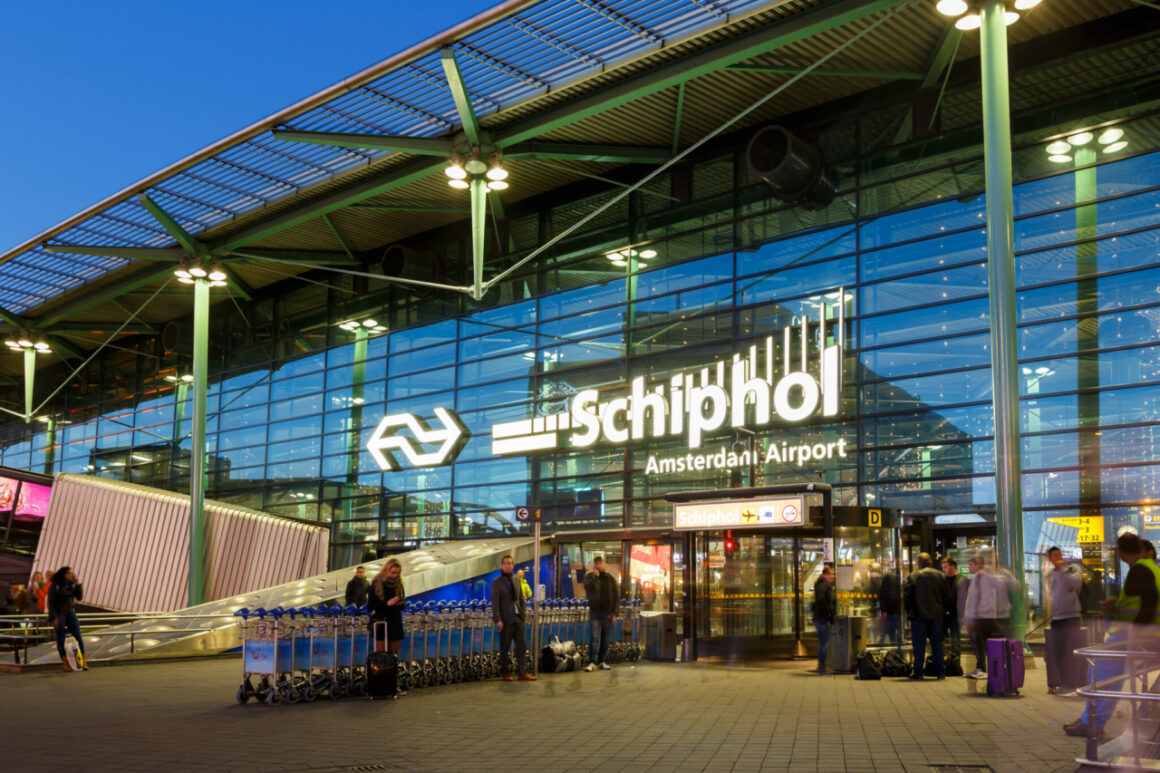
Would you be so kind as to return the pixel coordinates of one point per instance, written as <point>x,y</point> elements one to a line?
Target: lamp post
<point>23,343</point>
<point>202,277</point>
<point>991,18</point>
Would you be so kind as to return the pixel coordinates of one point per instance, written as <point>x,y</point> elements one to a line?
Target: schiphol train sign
<point>755,389</point>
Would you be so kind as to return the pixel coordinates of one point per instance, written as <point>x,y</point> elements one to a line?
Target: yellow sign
<point>875,517</point>
<point>1090,527</point>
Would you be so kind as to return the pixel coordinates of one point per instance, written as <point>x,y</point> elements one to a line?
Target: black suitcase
<point>382,675</point>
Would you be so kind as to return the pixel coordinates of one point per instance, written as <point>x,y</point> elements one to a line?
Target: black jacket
<point>507,600</point>
<point>889,595</point>
<point>825,601</point>
<point>925,594</point>
<point>356,591</point>
<point>62,598</point>
<point>603,595</point>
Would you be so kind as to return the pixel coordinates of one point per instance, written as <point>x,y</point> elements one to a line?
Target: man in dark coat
<point>356,589</point>
<point>925,596</point>
<point>603,604</point>
<point>507,609</point>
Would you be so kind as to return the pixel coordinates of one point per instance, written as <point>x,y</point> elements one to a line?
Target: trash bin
<point>660,635</point>
<point>846,641</point>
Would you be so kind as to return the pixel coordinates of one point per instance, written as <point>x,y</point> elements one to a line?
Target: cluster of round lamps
<point>967,20</point>
<point>189,271</point>
<point>620,258</point>
<point>1110,141</point>
<point>24,344</point>
<point>460,169</point>
<point>369,325</point>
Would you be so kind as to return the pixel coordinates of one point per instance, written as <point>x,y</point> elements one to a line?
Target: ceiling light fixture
<point>967,16</point>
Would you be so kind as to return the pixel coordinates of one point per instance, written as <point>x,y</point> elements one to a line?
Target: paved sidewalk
<point>661,717</point>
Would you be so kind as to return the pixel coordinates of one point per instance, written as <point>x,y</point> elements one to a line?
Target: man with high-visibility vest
<point>1132,615</point>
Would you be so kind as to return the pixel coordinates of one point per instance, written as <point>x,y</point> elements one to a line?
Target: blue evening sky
<point>97,95</point>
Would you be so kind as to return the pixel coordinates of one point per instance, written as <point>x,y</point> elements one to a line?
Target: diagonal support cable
<point>117,332</point>
<point>723,127</point>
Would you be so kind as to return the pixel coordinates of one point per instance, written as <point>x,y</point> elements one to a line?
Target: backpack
<point>894,664</point>
<point>869,665</point>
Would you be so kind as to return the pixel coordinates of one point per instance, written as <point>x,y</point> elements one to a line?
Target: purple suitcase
<point>1004,666</point>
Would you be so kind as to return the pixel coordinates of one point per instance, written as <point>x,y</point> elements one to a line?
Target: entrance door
<point>747,599</point>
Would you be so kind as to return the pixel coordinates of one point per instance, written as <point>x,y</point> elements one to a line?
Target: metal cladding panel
<point>129,545</point>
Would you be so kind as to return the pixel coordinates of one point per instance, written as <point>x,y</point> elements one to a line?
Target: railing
<point>1139,661</point>
<point>30,630</point>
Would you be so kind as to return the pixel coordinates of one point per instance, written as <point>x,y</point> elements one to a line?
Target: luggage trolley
<point>259,643</point>
<point>323,677</point>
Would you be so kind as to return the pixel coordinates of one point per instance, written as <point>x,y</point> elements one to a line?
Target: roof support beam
<point>12,319</point>
<point>402,208</point>
<point>421,146</point>
<point>892,75</point>
<point>338,236</point>
<point>799,27</point>
<point>298,256</point>
<point>171,254</point>
<point>106,293</point>
<point>102,327</point>
<point>396,178</point>
<point>574,151</point>
<point>677,118</point>
<point>191,245</point>
<point>240,288</point>
<point>460,95</point>
<point>64,349</point>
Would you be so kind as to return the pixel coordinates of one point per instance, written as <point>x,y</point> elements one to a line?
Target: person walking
<point>356,589</point>
<point>527,589</point>
<point>603,604</point>
<point>988,607</point>
<point>1064,582</point>
<point>957,587</point>
<point>385,603</point>
<point>890,608</point>
<point>34,594</point>
<point>925,596</point>
<point>508,608</point>
<point>63,594</point>
<point>825,610</point>
<point>1133,615</point>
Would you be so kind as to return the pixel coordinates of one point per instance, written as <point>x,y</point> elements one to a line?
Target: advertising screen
<point>32,502</point>
<point>7,493</point>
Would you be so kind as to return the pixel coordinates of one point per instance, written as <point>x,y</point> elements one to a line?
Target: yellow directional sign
<point>875,517</point>
<point>1091,527</point>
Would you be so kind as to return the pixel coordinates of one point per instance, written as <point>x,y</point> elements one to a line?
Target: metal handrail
<point>1094,690</point>
<point>30,633</point>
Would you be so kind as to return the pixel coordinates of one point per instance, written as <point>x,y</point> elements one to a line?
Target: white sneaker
<point>978,673</point>
<point>590,667</point>
<point>605,667</point>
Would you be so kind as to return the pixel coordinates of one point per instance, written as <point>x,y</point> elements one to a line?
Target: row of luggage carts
<point>292,655</point>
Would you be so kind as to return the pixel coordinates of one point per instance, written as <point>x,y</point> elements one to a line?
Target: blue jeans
<point>600,626</point>
<point>68,623</point>
<point>1105,668</point>
<point>823,628</point>
<point>920,631</point>
<point>892,629</point>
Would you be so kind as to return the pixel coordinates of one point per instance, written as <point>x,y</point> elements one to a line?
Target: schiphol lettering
<point>747,392</point>
<point>724,459</point>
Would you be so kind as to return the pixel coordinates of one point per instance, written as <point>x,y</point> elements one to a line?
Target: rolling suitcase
<point>1004,666</point>
<point>382,675</point>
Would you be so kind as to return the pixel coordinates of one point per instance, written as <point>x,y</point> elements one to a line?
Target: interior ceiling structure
<point>566,88</point>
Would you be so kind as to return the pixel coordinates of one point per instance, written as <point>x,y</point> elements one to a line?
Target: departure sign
<point>738,514</point>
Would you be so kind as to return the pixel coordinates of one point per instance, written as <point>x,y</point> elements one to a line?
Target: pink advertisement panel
<point>7,493</point>
<point>32,502</point>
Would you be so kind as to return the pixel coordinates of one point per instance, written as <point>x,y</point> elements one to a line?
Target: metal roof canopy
<point>531,71</point>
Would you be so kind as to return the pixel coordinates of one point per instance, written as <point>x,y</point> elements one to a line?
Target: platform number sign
<point>875,517</point>
<point>526,514</point>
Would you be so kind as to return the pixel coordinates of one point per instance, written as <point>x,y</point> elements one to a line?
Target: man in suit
<point>507,609</point>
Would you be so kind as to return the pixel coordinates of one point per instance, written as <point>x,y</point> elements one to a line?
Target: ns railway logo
<point>771,380</point>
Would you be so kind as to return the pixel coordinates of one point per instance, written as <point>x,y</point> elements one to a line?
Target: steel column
<point>478,234</point>
<point>29,375</point>
<point>1001,276</point>
<point>197,452</point>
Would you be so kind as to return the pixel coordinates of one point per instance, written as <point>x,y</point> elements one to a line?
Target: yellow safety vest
<point>1127,607</point>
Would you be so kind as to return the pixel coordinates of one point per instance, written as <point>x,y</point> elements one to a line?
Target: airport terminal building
<point>583,258</point>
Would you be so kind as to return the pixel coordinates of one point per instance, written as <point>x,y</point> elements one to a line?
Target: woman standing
<point>36,598</point>
<point>386,604</point>
<point>63,596</point>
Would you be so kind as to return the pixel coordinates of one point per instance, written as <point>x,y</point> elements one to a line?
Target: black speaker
<point>408,263</point>
<point>793,168</point>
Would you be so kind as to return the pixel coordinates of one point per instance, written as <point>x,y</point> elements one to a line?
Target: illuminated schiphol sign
<point>759,386</point>
<point>735,514</point>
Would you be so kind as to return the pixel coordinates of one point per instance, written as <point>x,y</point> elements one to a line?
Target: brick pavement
<point>651,717</point>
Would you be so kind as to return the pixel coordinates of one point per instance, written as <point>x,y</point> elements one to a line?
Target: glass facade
<point>698,265</point>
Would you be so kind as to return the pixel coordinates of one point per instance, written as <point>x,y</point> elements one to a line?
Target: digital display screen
<point>32,501</point>
<point>7,493</point>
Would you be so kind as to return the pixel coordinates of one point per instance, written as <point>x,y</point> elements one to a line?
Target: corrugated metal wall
<point>129,545</point>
